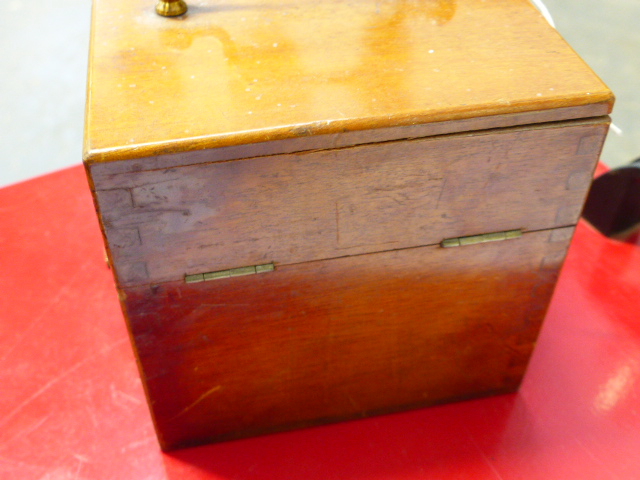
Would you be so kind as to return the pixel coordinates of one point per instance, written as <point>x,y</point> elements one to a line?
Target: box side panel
<point>308,139</point>
<point>342,338</point>
<point>222,77</point>
<point>162,225</point>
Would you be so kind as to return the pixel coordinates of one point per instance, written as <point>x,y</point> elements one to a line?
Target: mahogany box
<point>318,211</point>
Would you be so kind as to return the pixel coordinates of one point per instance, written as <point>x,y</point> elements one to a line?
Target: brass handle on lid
<point>171,8</point>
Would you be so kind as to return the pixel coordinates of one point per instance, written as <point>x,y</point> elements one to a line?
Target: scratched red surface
<point>72,406</point>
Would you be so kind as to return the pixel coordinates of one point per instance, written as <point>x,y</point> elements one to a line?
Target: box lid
<point>241,73</point>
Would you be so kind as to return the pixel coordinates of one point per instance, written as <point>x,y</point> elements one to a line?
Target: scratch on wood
<point>146,184</point>
<point>337,224</point>
<point>352,401</point>
<point>444,184</point>
<point>197,401</point>
<point>225,305</point>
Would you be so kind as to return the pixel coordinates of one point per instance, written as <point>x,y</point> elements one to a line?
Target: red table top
<point>72,405</point>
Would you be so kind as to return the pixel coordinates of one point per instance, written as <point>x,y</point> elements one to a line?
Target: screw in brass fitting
<point>171,8</point>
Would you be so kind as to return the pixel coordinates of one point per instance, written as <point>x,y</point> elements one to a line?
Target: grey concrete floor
<point>44,48</point>
<point>44,59</point>
<point>606,34</point>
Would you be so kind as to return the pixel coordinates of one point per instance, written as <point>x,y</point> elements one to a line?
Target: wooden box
<point>278,184</point>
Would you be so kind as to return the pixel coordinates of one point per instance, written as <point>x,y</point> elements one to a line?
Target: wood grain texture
<point>102,172</point>
<point>164,224</point>
<point>341,338</point>
<point>342,141</point>
<point>232,74</point>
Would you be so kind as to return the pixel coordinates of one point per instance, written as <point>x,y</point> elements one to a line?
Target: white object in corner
<point>544,11</point>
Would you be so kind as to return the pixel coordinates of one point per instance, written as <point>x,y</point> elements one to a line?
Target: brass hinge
<point>233,272</point>
<point>483,238</point>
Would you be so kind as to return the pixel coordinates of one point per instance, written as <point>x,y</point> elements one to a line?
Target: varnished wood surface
<point>342,338</point>
<point>164,224</point>
<point>248,72</point>
<point>102,172</point>
<point>342,141</point>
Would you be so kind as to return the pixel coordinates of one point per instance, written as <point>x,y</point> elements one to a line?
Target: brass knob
<point>171,8</point>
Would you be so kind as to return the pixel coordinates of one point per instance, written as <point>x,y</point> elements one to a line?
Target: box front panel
<point>162,225</point>
<point>341,338</point>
